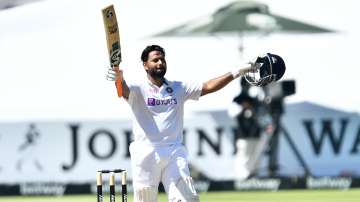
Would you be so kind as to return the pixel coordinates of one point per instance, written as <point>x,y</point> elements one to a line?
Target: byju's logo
<point>151,101</point>
<point>155,102</point>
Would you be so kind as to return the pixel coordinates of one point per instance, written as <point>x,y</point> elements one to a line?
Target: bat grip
<point>118,82</point>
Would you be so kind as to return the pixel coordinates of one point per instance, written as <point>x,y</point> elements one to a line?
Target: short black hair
<point>148,49</point>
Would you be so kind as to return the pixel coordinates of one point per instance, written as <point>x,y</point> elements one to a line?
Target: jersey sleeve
<point>192,91</point>
<point>134,90</point>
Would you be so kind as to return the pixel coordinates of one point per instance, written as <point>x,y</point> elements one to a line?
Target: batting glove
<point>257,62</point>
<point>112,75</point>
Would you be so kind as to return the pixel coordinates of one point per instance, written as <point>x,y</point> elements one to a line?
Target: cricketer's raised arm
<point>218,83</point>
<point>117,76</point>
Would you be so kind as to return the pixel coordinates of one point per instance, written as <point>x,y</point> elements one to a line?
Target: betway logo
<point>259,184</point>
<point>42,189</point>
<point>328,182</point>
<point>155,102</point>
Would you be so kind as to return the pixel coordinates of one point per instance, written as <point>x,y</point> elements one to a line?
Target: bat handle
<point>118,82</point>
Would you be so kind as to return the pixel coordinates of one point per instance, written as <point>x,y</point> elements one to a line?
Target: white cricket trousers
<point>167,164</point>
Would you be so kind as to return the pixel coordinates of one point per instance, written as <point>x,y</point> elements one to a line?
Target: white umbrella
<point>241,17</point>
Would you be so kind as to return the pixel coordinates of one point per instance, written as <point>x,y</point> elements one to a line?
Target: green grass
<point>352,195</point>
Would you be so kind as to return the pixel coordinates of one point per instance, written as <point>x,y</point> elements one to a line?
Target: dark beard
<point>157,73</point>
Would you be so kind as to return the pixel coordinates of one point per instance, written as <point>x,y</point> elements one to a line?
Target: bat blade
<point>113,41</point>
<point>112,35</point>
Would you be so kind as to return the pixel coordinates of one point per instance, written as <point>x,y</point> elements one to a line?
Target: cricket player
<point>157,152</point>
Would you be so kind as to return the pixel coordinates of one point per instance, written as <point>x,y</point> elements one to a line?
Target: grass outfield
<point>352,195</point>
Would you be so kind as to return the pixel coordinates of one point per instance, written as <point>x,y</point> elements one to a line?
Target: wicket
<point>99,184</point>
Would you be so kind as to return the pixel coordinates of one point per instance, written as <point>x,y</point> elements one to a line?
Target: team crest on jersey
<point>169,90</point>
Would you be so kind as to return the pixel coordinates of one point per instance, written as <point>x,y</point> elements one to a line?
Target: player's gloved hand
<point>257,62</point>
<point>113,75</point>
<point>252,66</point>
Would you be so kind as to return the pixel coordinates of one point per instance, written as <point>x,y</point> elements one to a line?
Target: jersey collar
<point>165,82</point>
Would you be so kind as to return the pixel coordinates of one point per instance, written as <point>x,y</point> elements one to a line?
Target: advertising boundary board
<point>59,157</point>
<point>251,184</point>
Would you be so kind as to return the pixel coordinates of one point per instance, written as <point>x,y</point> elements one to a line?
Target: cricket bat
<point>113,42</point>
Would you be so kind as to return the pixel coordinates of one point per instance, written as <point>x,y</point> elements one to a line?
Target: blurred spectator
<point>247,127</point>
<point>246,118</point>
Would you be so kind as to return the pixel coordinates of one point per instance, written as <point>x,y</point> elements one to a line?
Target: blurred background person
<point>245,112</point>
